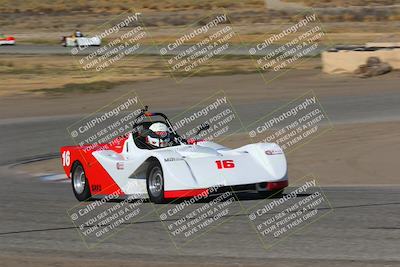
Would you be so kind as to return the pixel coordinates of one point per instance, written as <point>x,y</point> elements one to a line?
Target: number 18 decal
<point>225,164</point>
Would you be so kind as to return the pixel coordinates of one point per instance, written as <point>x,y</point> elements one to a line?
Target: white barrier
<point>347,61</point>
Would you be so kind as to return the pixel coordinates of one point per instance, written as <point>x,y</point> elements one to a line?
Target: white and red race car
<point>128,166</point>
<point>6,40</point>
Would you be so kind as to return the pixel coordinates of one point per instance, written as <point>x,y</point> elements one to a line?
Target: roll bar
<point>144,112</point>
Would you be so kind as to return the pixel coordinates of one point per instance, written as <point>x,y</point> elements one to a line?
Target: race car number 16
<point>225,164</point>
<point>66,158</point>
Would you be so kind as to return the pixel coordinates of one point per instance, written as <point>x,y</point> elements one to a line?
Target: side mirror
<point>203,127</point>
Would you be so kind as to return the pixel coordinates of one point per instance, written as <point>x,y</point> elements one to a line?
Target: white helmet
<point>160,138</point>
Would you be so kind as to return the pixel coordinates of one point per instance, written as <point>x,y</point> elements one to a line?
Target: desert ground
<point>44,90</point>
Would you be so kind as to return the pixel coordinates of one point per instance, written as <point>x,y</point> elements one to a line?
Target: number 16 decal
<point>225,164</point>
<point>66,158</point>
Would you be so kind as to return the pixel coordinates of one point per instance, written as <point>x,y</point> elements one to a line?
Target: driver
<point>158,135</point>
<point>78,33</point>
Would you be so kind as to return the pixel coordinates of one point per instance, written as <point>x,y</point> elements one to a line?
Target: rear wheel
<point>155,183</point>
<point>80,184</point>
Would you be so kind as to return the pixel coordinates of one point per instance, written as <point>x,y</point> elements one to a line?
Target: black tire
<point>80,183</point>
<point>155,183</point>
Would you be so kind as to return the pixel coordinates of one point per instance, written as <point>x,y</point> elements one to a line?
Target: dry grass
<point>116,7</point>
<point>355,10</point>
<point>62,74</point>
<point>43,22</point>
<point>23,74</point>
<point>345,3</point>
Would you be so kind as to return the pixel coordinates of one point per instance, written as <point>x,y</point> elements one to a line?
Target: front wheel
<point>80,184</point>
<point>155,183</point>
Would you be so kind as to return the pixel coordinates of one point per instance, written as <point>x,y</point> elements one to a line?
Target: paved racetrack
<point>144,50</point>
<point>362,230</point>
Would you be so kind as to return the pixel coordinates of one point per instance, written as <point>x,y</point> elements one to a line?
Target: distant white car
<point>72,41</point>
<point>6,40</point>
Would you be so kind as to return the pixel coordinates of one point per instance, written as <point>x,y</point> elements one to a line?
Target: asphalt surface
<point>362,228</point>
<point>26,49</point>
<point>25,138</point>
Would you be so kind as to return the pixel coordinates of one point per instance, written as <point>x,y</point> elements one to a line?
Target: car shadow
<point>248,195</point>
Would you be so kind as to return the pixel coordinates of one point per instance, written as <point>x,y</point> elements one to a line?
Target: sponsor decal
<point>273,151</point>
<point>120,165</point>
<point>172,159</point>
<point>96,188</point>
